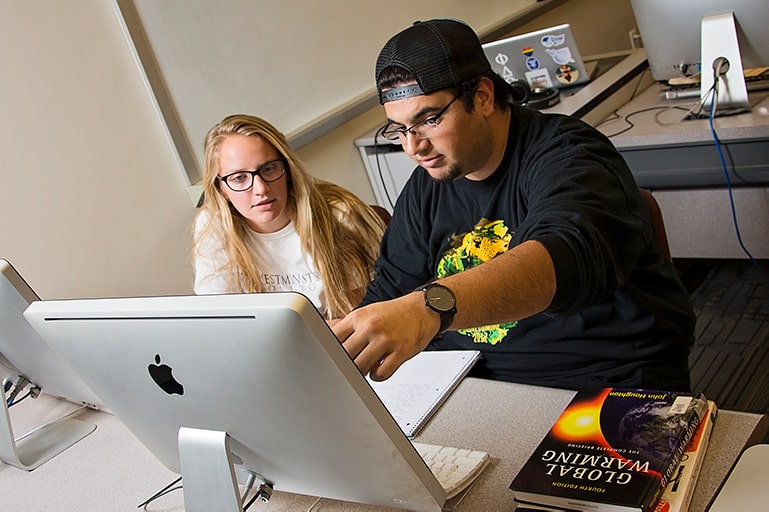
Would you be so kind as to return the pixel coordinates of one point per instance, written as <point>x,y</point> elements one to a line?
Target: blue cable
<point>714,93</point>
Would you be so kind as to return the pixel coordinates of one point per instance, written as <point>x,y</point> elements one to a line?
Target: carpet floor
<point>730,358</point>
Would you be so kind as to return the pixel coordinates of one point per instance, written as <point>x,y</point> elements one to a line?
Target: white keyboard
<point>453,467</point>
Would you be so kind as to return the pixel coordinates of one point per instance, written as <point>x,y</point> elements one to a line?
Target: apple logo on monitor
<point>162,374</point>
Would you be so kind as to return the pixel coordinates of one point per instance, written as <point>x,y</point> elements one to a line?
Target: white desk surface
<point>658,122</point>
<point>111,471</point>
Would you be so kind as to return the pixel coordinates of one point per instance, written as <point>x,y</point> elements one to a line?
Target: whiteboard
<point>307,66</point>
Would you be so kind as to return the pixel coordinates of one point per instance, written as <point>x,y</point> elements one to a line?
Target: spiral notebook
<point>422,384</point>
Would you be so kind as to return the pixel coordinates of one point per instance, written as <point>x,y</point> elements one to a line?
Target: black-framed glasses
<point>421,130</point>
<point>240,181</point>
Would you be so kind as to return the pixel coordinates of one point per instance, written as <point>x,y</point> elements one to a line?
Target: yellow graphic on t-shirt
<point>486,241</point>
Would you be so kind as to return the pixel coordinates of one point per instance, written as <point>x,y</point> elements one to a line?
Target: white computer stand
<point>718,35</point>
<point>41,444</point>
<point>208,475</point>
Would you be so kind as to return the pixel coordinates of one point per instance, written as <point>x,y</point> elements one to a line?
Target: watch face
<point>440,298</point>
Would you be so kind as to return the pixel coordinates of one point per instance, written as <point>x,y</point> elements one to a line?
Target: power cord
<point>717,141</point>
<point>626,118</point>
<point>23,397</point>
<point>17,388</point>
<point>162,492</point>
<point>263,493</point>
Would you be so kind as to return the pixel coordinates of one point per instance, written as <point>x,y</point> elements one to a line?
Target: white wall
<point>93,201</point>
<point>599,26</point>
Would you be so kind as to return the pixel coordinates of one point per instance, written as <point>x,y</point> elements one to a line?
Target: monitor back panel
<point>265,368</point>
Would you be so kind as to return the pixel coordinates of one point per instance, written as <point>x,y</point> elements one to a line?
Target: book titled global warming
<point>679,491</point>
<point>611,450</point>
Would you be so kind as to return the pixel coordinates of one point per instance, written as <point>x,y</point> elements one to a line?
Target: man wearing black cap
<point>519,234</point>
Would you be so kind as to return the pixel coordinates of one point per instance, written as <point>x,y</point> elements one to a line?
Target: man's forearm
<point>514,285</point>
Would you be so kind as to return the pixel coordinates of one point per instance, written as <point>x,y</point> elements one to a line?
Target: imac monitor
<point>223,387</point>
<point>716,39</point>
<point>26,358</point>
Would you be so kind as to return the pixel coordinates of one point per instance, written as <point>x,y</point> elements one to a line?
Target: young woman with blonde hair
<point>266,224</point>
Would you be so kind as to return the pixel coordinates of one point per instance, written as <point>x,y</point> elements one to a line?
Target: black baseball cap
<point>440,53</point>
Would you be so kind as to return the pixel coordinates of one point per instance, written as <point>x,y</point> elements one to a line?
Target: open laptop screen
<point>544,58</point>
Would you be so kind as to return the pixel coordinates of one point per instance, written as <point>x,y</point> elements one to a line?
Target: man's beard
<point>453,173</point>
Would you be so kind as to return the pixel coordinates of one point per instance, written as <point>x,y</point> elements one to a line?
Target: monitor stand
<point>41,444</point>
<point>719,41</point>
<point>208,473</point>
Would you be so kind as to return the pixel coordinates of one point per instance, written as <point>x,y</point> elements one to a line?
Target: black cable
<point>13,402</point>
<point>18,387</point>
<point>263,493</point>
<point>170,488</point>
<point>162,492</point>
<point>251,501</point>
<point>638,83</point>
<point>615,115</point>
<point>626,117</point>
<point>712,91</point>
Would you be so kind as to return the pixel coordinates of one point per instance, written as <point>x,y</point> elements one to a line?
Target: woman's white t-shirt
<point>288,268</point>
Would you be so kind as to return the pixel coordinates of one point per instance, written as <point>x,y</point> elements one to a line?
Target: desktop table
<point>110,470</point>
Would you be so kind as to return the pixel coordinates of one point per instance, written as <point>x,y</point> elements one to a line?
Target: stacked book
<point>619,450</point>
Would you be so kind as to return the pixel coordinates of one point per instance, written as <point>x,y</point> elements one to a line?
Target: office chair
<point>382,212</point>
<point>655,213</point>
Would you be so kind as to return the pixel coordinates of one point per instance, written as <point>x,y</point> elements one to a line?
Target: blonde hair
<point>338,230</point>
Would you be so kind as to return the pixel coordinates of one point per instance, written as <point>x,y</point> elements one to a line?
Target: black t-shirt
<point>620,316</point>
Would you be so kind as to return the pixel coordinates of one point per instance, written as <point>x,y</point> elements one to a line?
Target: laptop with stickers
<point>544,58</point>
